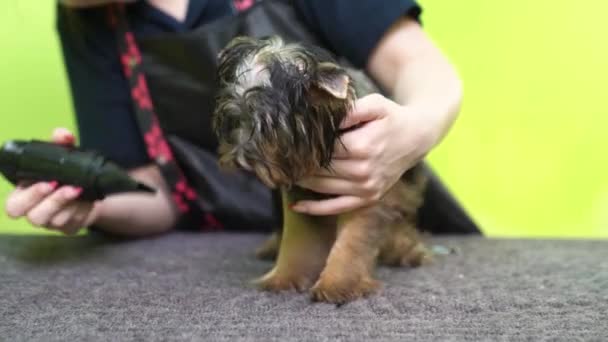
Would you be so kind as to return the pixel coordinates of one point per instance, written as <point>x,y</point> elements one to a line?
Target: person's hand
<point>371,159</point>
<point>45,205</point>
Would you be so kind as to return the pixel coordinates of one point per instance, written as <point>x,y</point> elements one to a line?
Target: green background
<point>527,155</point>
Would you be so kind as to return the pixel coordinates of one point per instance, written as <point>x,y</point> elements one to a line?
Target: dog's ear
<point>334,80</point>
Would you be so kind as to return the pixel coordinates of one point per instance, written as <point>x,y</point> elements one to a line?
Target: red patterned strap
<point>184,196</point>
<point>242,5</point>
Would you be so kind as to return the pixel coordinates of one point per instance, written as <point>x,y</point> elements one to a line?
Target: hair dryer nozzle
<point>144,188</point>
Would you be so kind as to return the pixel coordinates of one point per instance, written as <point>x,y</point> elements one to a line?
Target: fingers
<point>368,108</point>
<point>357,144</point>
<point>330,185</point>
<point>78,218</point>
<point>65,216</point>
<point>23,199</point>
<point>41,214</point>
<point>332,206</point>
<point>45,207</point>
<point>63,136</point>
<point>354,170</point>
<point>362,141</point>
<point>73,217</point>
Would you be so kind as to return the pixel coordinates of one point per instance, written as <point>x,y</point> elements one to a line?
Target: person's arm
<point>418,76</point>
<point>138,215</point>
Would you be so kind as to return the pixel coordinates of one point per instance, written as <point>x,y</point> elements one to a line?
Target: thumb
<point>368,108</point>
<point>63,136</point>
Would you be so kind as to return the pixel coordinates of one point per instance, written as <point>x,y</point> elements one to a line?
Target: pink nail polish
<point>295,207</point>
<point>53,185</point>
<point>70,139</point>
<point>77,191</point>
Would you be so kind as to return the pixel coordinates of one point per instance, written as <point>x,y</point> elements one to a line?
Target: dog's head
<point>279,108</point>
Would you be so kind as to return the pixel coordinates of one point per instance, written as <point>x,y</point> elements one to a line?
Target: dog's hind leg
<point>404,247</point>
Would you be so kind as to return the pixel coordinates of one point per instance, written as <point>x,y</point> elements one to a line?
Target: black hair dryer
<point>38,161</point>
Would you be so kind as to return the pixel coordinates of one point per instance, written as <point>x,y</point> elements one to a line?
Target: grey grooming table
<point>194,287</point>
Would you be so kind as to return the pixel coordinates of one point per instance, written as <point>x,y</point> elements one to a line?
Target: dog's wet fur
<point>278,115</point>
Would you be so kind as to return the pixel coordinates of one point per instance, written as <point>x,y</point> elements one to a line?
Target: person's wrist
<point>95,213</point>
<point>422,130</point>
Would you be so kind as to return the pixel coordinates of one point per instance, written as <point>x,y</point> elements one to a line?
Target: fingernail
<point>70,139</point>
<point>76,191</point>
<point>48,187</point>
<point>71,192</point>
<point>296,207</point>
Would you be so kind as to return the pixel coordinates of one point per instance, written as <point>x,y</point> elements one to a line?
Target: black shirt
<point>100,92</point>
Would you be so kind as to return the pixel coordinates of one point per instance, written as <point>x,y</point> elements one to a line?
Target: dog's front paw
<point>275,281</point>
<point>341,290</point>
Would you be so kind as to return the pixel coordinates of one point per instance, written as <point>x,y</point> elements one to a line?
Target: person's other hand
<point>43,204</point>
<point>390,140</point>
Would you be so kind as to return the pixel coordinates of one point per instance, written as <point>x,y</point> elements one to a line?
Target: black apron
<point>180,72</point>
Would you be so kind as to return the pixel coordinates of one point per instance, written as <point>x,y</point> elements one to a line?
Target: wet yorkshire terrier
<point>278,115</point>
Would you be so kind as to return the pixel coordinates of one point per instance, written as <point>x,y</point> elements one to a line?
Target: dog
<point>278,113</point>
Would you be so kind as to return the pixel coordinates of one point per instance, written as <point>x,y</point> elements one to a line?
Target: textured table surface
<point>193,287</point>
